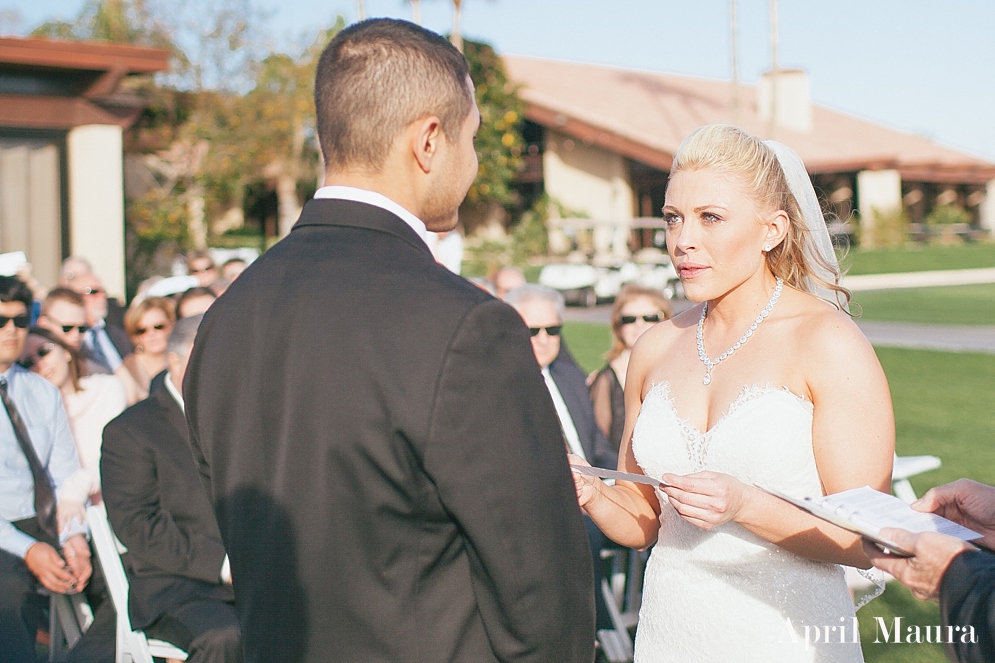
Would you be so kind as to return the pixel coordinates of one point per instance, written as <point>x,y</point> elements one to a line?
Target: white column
<point>877,191</point>
<point>988,208</point>
<point>96,201</point>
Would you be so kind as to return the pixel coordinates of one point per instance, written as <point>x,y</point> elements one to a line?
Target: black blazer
<point>159,509</point>
<point>572,383</point>
<point>384,458</point>
<point>967,597</point>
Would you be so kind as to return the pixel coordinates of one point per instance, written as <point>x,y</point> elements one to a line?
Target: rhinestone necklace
<point>712,363</point>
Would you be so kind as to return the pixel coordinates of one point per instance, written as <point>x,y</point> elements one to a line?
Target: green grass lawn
<point>924,257</point>
<point>943,406</point>
<point>953,305</point>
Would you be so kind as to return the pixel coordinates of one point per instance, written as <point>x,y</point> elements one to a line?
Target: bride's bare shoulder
<point>659,341</point>
<point>827,334</point>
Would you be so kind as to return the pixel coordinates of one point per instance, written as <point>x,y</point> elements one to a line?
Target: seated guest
<point>636,309</point>
<point>104,344</point>
<point>76,266</point>
<point>541,309</point>
<point>232,268</point>
<point>201,265</point>
<point>194,301</point>
<point>148,324</point>
<point>37,457</point>
<point>180,583</point>
<point>64,314</point>
<point>90,401</point>
<point>507,279</point>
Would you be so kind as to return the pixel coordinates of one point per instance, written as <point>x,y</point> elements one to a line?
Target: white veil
<point>818,246</point>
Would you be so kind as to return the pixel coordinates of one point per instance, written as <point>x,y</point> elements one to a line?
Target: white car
<point>587,285</point>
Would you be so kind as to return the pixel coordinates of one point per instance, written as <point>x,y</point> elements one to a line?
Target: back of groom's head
<point>378,76</point>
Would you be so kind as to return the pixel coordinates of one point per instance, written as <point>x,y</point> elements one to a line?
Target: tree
<point>279,138</point>
<point>499,141</point>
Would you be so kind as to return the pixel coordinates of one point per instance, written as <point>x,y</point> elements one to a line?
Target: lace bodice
<point>764,438</point>
<point>727,594</point>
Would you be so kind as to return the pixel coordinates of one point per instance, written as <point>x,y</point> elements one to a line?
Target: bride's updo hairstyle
<point>797,259</point>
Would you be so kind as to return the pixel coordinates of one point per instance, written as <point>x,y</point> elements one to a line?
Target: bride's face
<point>715,232</point>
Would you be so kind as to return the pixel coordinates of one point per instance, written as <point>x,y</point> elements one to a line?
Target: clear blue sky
<point>917,65</point>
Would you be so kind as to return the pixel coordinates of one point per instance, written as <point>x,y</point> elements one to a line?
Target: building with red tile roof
<point>606,138</point>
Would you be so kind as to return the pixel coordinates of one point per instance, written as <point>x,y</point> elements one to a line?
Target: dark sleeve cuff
<point>967,598</point>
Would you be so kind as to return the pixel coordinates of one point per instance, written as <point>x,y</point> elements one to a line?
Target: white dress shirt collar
<point>375,199</point>
<point>174,392</point>
<point>563,414</point>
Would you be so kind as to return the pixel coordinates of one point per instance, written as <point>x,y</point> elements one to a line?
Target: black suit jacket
<point>385,460</point>
<point>572,383</point>
<point>159,509</point>
<point>967,597</point>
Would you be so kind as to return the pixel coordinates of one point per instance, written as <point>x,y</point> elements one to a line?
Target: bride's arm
<point>853,436</point>
<point>628,513</point>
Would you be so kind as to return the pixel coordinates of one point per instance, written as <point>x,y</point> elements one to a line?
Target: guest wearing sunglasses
<point>149,323</point>
<point>541,309</point>
<point>636,309</point>
<point>90,401</point>
<point>37,457</point>
<point>104,343</point>
<point>63,314</point>
<point>201,265</point>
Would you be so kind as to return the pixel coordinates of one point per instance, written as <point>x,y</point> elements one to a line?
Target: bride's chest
<point>764,438</point>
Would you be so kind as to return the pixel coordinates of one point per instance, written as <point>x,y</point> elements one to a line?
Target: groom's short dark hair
<point>378,76</point>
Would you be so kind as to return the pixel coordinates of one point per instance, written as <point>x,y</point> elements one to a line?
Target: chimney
<point>784,101</point>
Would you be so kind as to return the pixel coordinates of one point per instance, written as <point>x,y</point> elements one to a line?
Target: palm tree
<point>416,11</point>
<point>456,38</point>
<point>362,9</point>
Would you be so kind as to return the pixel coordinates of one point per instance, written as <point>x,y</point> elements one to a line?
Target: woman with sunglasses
<point>636,309</point>
<point>148,323</point>
<point>90,401</point>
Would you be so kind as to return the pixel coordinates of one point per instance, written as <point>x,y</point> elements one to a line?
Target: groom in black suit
<point>384,458</point>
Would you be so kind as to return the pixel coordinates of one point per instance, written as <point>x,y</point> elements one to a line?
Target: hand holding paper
<point>866,511</point>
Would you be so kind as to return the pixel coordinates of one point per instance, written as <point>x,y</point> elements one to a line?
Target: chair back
<point>132,646</point>
<point>105,543</point>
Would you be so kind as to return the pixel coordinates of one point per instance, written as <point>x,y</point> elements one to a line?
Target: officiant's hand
<point>923,572</point>
<point>965,502</point>
<point>706,499</point>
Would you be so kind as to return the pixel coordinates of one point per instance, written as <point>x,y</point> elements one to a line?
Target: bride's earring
<point>766,248</point>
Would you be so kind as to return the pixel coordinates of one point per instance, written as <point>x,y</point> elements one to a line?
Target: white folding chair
<point>622,592</point>
<point>909,466</point>
<point>132,645</point>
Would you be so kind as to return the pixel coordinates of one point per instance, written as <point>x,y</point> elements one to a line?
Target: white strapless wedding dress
<point>726,594</point>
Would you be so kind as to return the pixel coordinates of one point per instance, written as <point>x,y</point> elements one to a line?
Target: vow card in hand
<point>618,476</point>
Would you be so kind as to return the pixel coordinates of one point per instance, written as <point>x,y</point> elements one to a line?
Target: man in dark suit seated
<point>180,583</point>
<point>542,310</point>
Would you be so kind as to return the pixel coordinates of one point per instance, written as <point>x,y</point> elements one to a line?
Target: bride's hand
<point>706,499</point>
<point>587,487</point>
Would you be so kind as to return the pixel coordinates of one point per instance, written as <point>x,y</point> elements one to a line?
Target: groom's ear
<point>777,227</point>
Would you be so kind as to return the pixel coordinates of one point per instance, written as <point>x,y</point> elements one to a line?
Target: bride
<point>766,384</point>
